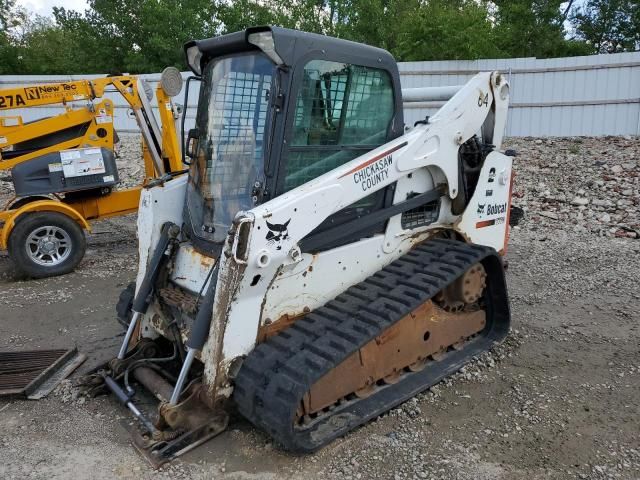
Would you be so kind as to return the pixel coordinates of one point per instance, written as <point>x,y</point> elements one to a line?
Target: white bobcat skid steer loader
<point>319,265</point>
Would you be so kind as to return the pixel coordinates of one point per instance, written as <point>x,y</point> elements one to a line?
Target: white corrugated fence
<point>575,96</point>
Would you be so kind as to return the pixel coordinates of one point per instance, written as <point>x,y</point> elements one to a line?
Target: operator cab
<point>277,109</point>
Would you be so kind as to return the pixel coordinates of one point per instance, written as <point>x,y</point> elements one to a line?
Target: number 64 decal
<point>483,99</point>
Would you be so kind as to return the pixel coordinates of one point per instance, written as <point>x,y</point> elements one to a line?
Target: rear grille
<point>178,297</point>
<point>421,216</point>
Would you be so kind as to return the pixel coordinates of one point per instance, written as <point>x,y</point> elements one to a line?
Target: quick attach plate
<point>159,452</point>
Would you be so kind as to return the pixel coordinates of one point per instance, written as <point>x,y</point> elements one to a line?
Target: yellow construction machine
<point>63,167</point>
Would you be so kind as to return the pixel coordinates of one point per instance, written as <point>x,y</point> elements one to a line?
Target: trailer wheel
<point>45,244</point>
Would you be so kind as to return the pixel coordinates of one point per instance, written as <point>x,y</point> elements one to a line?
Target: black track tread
<point>275,376</point>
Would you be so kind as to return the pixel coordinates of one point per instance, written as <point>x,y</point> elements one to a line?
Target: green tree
<point>533,28</point>
<point>410,29</point>
<point>6,8</point>
<point>610,26</point>
<point>11,19</point>
<point>45,48</point>
<point>240,14</point>
<point>95,44</point>
<point>139,35</point>
<point>446,30</point>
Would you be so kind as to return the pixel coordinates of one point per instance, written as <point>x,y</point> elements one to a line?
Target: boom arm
<point>432,146</point>
<point>52,93</point>
<point>99,118</point>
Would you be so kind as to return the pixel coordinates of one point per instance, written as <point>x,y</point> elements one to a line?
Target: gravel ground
<point>604,179</point>
<point>559,399</point>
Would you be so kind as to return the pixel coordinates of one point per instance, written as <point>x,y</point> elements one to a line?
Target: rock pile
<point>584,184</point>
<point>129,161</point>
<point>68,393</point>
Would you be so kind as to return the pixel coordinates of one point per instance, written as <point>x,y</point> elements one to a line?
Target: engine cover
<point>66,171</point>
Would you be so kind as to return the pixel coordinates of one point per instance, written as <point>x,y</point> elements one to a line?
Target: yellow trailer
<point>63,167</point>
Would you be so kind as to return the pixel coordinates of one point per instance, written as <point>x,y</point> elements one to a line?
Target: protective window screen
<point>342,111</point>
<point>231,123</point>
<point>237,120</point>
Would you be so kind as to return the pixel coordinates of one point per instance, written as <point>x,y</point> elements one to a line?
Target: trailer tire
<point>125,304</point>
<point>46,244</point>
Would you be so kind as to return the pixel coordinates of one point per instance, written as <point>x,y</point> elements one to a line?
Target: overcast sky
<point>45,7</point>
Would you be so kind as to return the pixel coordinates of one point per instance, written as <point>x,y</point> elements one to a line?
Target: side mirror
<point>192,143</point>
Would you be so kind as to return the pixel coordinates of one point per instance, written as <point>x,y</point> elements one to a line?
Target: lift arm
<point>161,145</point>
<point>433,145</point>
<point>52,93</point>
<point>93,126</point>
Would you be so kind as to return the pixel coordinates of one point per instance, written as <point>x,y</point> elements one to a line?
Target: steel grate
<point>421,216</point>
<point>35,373</point>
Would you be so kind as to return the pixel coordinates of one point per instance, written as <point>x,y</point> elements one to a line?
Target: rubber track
<point>277,373</point>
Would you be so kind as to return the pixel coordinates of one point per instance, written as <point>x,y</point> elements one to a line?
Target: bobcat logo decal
<point>277,232</point>
<point>481,209</point>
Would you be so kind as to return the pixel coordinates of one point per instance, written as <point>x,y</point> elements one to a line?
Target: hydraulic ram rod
<point>122,396</point>
<point>143,297</point>
<point>429,94</point>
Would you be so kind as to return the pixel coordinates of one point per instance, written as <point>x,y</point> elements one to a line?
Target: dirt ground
<point>559,399</point>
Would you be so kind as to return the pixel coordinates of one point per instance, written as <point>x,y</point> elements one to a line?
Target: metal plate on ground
<point>35,373</point>
<point>157,453</point>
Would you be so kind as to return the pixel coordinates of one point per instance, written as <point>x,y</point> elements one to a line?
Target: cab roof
<point>290,45</point>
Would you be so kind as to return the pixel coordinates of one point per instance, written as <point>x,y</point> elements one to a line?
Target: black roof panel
<point>289,44</point>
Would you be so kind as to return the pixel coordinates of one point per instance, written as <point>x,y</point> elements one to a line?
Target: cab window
<point>341,112</point>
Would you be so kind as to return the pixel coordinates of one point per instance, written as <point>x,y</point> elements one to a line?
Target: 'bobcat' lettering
<point>492,209</point>
<point>496,209</point>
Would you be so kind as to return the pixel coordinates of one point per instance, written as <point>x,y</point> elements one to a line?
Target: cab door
<point>337,112</point>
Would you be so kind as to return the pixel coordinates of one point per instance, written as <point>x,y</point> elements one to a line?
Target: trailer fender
<point>39,206</point>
